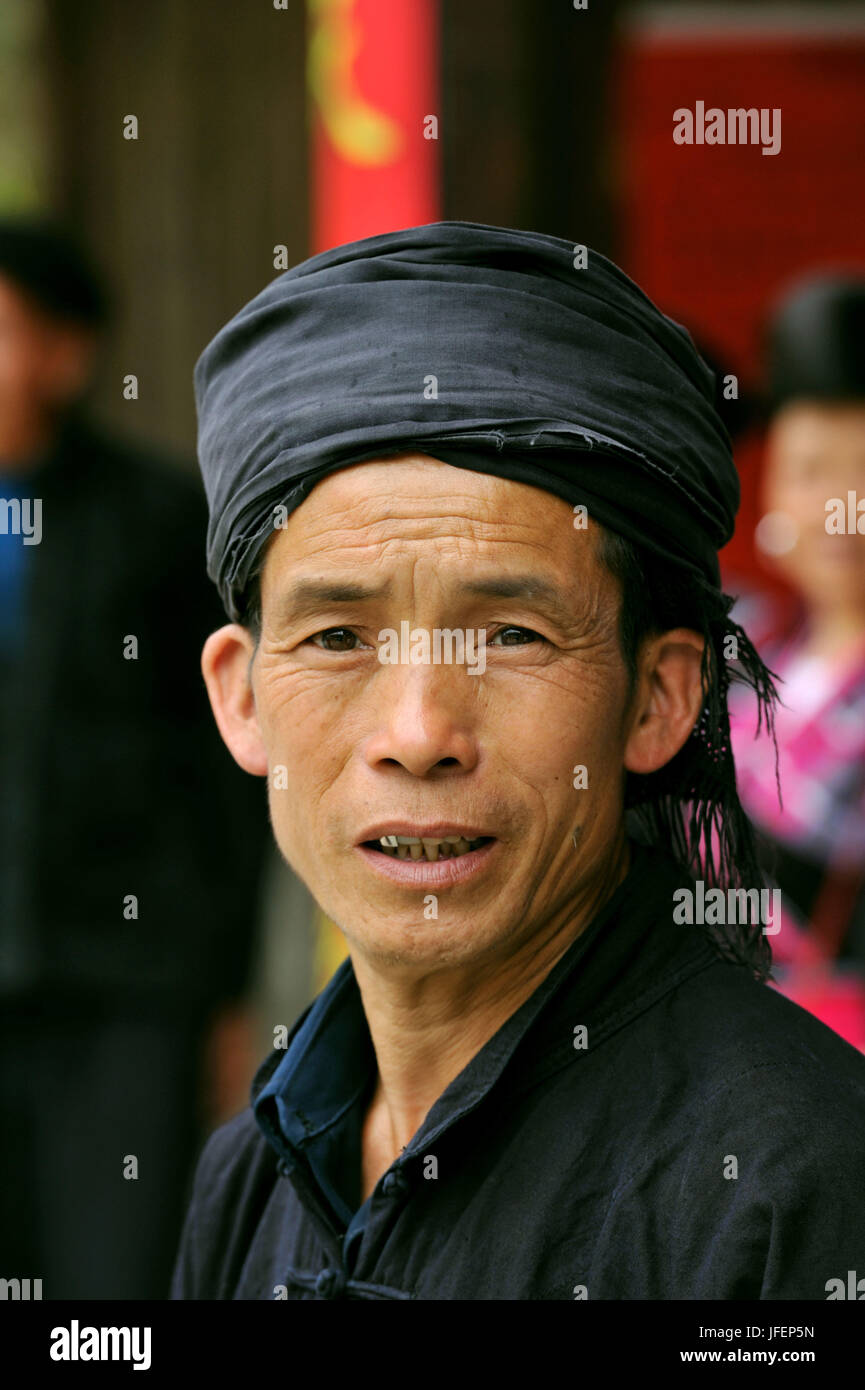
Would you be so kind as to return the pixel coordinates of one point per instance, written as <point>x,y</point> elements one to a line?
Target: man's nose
<point>426,719</point>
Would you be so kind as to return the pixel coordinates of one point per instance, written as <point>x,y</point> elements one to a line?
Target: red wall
<point>714,232</point>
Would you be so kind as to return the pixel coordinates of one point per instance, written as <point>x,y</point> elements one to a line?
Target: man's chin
<point>419,947</point>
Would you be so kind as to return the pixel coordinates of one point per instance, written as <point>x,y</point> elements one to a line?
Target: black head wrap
<point>519,355</point>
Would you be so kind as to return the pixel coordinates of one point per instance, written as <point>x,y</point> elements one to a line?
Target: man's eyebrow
<point>309,594</point>
<point>312,591</point>
<point>526,586</point>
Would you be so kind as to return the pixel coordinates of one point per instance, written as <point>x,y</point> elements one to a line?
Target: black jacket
<point>707,1143</point>
<point>115,782</point>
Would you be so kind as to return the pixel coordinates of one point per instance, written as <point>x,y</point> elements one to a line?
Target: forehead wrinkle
<point>570,567</point>
<point>416,522</point>
<point>425,526</point>
<point>442,479</point>
<point>377,552</point>
<point>353,490</point>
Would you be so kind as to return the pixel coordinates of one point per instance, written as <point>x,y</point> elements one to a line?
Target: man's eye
<point>528,633</point>
<point>343,634</point>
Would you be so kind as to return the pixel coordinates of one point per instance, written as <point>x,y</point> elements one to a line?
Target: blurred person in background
<point>126,945</point>
<point>814,537</point>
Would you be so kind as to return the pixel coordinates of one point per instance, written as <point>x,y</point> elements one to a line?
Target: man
<point>547,1070</point>
<point>124,944</point>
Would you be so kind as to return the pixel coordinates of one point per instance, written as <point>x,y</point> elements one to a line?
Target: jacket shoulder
<point>740,1026</point>
<point>234,1178</point>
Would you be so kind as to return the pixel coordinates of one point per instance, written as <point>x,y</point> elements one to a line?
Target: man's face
<point>366,744</point>
<point>817,452</point>
<point>43,363</point>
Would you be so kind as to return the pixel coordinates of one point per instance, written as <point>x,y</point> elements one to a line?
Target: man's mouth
<point>430,848</point>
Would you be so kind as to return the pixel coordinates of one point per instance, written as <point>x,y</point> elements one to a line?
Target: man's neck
<point>426,1029</point>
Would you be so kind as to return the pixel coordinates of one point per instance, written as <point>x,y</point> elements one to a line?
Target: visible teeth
<point>409,846</point>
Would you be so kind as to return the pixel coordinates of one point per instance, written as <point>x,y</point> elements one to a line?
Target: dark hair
<point>689,808</point>
<point>48,262</point>
<point>250,617</point>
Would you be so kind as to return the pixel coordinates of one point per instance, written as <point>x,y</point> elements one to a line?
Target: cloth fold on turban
<point>486,344</point>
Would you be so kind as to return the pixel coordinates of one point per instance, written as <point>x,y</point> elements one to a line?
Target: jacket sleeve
<point>817,1227</point>
<point>189,1277</point>
<point>184,1279</point>
<point>776,1190</point>
<point>233,1182</point>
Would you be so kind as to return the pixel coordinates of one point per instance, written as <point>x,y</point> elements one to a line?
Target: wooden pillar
<point>526,116</point>
<point>185,218</point>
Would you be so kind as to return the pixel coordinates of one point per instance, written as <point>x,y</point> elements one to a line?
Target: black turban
<point>479,345</point>
<point>519,355</point>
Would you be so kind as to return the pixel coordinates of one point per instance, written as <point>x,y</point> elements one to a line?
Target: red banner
<point>373,81</point>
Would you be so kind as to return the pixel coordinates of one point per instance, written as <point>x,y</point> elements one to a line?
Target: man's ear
<point>225,665</point>
<point>668,700</point>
